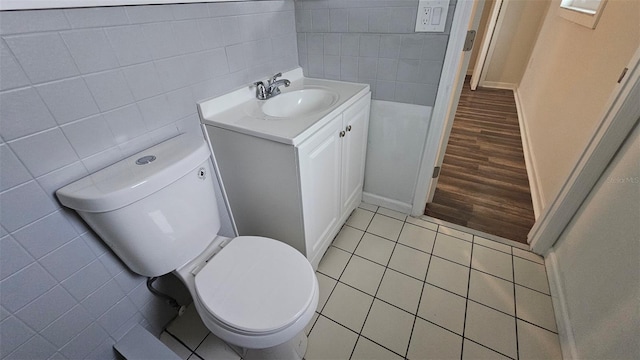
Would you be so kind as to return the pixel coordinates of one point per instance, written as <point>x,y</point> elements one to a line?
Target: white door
<point>320,168</point>
<point>466,17</point>
<point>354,149</point>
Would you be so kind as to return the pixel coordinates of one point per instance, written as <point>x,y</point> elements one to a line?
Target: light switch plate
<point>432,15</point>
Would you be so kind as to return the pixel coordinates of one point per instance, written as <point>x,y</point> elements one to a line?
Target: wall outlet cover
<point>432,15</point>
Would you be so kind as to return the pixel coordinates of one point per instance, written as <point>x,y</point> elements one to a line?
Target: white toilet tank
<point>157,209</point>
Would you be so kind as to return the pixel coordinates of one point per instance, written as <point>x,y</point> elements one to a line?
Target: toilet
<point>157,211</point>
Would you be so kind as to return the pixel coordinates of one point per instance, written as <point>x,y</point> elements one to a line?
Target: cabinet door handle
<point>349,128</point>
<point>342,133</point>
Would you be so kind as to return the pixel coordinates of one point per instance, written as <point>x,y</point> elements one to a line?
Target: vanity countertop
<point>240,110</point>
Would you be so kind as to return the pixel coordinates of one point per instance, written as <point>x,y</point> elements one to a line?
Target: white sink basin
<point>299,103</point>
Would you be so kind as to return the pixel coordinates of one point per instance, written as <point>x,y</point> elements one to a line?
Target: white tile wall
<point>348,40</point>
<point>83,88</point>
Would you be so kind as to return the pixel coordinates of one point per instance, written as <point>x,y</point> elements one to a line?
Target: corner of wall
<point>560,309</point>
<point>537,197</point>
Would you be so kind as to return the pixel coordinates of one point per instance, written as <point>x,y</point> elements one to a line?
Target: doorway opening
<point>483,183</point>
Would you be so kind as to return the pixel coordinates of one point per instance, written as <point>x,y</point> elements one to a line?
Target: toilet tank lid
<point>135,177</point>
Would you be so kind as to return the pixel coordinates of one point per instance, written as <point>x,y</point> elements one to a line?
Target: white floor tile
<point>385,226</point>
<point>528,255</point>
<point>375,248</point>
<point>326,285</point>
<point>535,308</point>
<point>333,262</point>
<point>350,275</point>
<point>409,261</point>
<point>492,261</point>
<point>329,340</point>
<point>363,275</point>
<point>443,308</point>
<point>400,290</point>
<point>348,307</point>
<point>213,348</point>
<point>453,249</point>
<point>492,291</point>
<point>491,328</point>
<point>392,213</point>
<point>448,275</point>
<point>473,351</point>
<point>388,326</point>
<point>348,238</point>
<point>175,346</point>
<point>537,343</point>
<point>189,328</point>
<point>456,233</point>
<point>492,244</point>
<point>360,219</point>
<point>530,274</point>
<point>423,223</point>
<point>368,350</point>
<point>417,237</point>
<point>429,341</point>
<point>364,205</point>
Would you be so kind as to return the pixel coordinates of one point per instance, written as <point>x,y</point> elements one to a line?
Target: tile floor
<point>394,287</point>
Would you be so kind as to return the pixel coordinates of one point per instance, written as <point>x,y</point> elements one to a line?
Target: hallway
<point>483,182</point>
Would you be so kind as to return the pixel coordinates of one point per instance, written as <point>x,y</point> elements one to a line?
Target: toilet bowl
<point>157,211</point>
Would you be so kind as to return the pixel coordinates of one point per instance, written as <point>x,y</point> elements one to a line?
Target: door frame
<point>484,54</point>
<point>447,97</point>
<point>620,115</point>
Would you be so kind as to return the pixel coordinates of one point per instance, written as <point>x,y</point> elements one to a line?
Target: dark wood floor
<point>483,183</point>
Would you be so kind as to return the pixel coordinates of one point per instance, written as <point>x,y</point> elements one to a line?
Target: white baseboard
<point>386,203</point>
<point>529,160</point>
<point>498,85</point>
<point>565,331</point>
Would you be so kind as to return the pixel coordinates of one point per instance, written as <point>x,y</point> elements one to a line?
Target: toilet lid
<point>256,284</point>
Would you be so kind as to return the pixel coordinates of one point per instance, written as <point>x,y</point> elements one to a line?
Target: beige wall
<point>570,76</point>
<point>510,50</point>
<point>597,262</point>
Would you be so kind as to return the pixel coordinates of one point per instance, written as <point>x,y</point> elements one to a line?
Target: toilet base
<point>293,349</point>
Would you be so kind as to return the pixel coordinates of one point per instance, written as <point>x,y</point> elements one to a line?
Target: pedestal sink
<point>299,103</point>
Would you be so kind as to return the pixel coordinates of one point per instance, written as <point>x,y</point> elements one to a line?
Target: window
<point>583,12</point>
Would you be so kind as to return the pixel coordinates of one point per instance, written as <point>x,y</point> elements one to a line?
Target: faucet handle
<point>261,90</point>
<point>274,77</point>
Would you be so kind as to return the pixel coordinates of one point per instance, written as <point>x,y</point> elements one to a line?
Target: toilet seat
<point>256,285</point>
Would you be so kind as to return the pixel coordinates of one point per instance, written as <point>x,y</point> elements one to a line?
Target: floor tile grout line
<point>338,279</point>
<point>466,304</point>
<point>180,341</point>
<point>377,343</point>
<point>415,319</point>
<point>343,270</point>
<point>515,307</point>
<point>489,247</point>
<point>532,289</point>
<point>486,347</point>
<point>538,326</point>
<point>513,316</point>
<point>375,296</point>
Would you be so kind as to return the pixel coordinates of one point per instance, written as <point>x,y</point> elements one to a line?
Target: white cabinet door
<point>354,148</point>
<point>320,172</point>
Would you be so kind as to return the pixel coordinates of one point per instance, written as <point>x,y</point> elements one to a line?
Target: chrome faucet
<point>271,88</point>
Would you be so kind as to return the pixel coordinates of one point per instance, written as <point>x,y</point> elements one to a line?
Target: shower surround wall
<point>79,90</point>
<point>373,41</point>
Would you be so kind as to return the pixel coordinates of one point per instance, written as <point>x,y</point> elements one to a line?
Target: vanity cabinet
<point>300,194</point>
